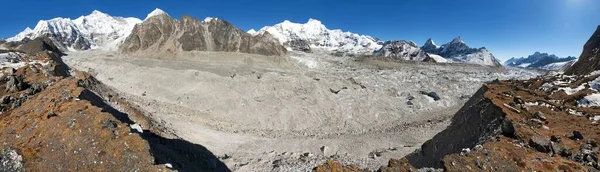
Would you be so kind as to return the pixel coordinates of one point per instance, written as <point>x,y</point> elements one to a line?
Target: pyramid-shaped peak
<point>430,42</point>
<point>458,40</point>
<point>156,12</point>
<point>97,12</point>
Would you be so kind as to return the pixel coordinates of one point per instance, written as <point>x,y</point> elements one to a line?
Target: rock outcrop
<point>52,121</point>
<point>589,61</point>
<point>476,122</point>
<point>402,50</point>
<point>161,33</point>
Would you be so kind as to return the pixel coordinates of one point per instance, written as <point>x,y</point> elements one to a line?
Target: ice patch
<point>310,63</point>
<point>590,100</point>
<point>571,91</point>
<point>137,128</point>
<point>546,86</point>
<point>438,58</point>
<point>595,84</point>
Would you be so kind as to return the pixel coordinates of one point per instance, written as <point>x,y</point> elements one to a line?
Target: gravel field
<point>291,113</point>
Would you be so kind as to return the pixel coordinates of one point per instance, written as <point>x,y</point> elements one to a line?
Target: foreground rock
<point>52,121</point>
<point>162,34</point>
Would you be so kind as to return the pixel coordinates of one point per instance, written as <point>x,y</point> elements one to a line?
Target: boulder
<point>540,144</point>
<point>15,83</point>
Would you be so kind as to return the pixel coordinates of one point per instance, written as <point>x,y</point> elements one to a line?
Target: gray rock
<point>539,115</point>
<point>565,152</point>
<point>402,50</point>
<point>298,45</point>
<point>540,144</point>
<point>10,160</point>
<point>15,83</point>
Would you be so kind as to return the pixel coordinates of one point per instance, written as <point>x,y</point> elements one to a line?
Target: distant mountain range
<point>314,35</point>
<point>96,30</point>
<point>102,31</point>
<point>542,61</point>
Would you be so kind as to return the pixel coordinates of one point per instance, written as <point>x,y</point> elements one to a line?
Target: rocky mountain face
<point>589,61</point>
<point>430,46</point>
<point>541,61</point>
<point>161,33</point>
<point>458,51</point>
<point>96,30</point>
<point>402,50</point>
<point>314,35</point>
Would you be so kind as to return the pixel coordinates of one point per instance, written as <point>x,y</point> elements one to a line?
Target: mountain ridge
<point>317,35</point>
<point>96,30</point>
<point>160,33</point>
<point>457,50</point>
<point>542,61</point>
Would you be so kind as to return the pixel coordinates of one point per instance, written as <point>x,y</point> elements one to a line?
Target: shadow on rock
<point>181,154</point>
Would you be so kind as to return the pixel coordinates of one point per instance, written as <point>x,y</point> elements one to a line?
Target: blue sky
<point>506,27</point>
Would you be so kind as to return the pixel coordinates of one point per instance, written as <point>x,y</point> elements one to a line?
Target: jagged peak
<point>457,40</point>
<point>430,42</point>
<point>156,12</point>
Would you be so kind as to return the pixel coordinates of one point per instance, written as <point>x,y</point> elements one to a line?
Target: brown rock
<point>162,33</point>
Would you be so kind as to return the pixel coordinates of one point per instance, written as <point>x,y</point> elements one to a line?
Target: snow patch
<point>571,91</point>
<point>209,19</point>
<point>156,12</point>
<point>252,32</point>
<point>590,100</point>
<point>438,58</point>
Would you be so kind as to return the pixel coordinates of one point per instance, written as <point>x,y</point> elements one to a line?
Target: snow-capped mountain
<point>96,30</point>
<point>458,51</point>
<point>542,61</point>
<point>296,36</point>
<point>402,50</point>
<point>430,46</point>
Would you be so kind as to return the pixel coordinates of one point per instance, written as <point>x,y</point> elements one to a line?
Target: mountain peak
<point>96,12</point>
<point>457,40</point>
<point>314,21</point>
<point>156,12</point>
<point>252,32</point>
<point>430,42</point>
